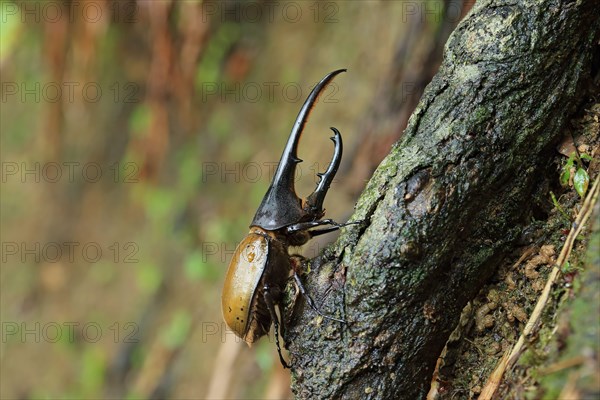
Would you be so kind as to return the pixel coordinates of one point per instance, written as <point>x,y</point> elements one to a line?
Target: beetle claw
<point>310,301</point>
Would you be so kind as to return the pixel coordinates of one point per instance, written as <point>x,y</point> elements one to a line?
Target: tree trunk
<point>447,203</point>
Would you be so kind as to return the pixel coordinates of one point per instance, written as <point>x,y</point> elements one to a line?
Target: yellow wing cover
<point>245,271</point>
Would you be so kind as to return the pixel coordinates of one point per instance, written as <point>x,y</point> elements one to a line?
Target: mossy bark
<point>448,202</point>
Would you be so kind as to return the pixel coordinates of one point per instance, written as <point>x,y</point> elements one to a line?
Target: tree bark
<point>448,202</point>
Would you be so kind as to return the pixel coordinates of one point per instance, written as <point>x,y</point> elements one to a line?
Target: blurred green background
<point>137,140</point>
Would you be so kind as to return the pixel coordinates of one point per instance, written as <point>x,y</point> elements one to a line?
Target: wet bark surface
<point>447,203</point>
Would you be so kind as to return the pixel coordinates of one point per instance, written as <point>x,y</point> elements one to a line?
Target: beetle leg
<point>310,301</point>
<point>337,226</point>
<point>302,226</point>
<point>316,199</point>
<point>271,307</point>
<point>318,232</point>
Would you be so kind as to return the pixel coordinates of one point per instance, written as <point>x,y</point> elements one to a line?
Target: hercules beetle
<point>261,264</point>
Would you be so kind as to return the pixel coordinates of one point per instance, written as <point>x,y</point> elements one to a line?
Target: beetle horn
<point>316,199</point>
<point>287,165</point>
<point>281,205</point>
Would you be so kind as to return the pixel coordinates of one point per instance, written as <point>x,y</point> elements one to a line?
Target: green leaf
<point>564,177</point>
<point>566,171</point>
<point>581,181</point>
<point>586,157</point>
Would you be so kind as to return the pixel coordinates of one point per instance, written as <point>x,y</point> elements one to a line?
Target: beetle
<point>261,264</point>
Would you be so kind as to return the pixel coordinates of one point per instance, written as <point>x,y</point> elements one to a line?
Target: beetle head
<point>281,206</point>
